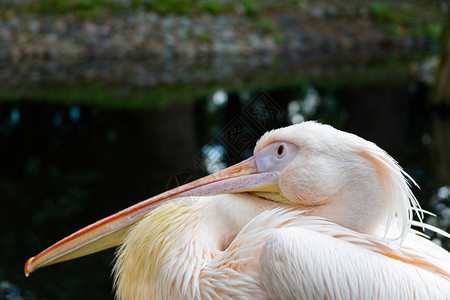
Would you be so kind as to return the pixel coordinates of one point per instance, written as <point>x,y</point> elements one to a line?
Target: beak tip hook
<point>27,267</point>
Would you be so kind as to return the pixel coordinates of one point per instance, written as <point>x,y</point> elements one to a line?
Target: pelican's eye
<point>281,151</point>
<point>275,157</point>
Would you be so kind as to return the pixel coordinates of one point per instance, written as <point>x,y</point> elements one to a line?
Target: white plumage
<point>278,254</point>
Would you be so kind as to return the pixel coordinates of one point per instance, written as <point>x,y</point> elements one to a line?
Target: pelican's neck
<point>163,255</point>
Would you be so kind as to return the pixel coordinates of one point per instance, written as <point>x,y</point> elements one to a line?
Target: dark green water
<point>65,166</point>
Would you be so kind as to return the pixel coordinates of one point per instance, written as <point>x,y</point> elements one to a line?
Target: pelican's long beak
<point>109,232</point>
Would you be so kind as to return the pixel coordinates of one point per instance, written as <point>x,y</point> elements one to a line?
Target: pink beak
<point>110,231</point>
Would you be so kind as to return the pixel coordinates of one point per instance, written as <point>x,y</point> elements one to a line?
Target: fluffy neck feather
<point>402,202</point>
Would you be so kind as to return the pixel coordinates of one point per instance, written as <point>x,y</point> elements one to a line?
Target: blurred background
<point>105,103</point>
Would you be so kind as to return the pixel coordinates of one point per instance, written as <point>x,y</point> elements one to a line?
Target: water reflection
<point>440,201</point>
<point>64,167</point>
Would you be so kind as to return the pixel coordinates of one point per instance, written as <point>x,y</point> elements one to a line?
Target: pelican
<point>315,213</point>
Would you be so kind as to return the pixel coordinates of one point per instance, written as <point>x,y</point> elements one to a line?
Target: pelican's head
<point>325,171</point>
<point>337,175</point>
